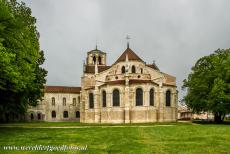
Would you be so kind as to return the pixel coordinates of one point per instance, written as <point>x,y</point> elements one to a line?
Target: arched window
<point>133,69</point>
<point>32,116</point>
<point>123,69</point>
<point>151,97</point>
<point>94,60</point>
<point>77,114</point>
<point>74,101</point>
<point>53,101</point>
<point>91,101</point>
<point>168,98</point>
<point>103,99</point>
<point>53,114</point>
<point>64,101</point>
<point>141,70</point>
<point>139,97</point>
<point>65,114</point>
<point>99,60</point>
<point>116,98</point>
<point>39,116</point>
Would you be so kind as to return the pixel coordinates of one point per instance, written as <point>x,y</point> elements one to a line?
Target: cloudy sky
<point>174,34</point>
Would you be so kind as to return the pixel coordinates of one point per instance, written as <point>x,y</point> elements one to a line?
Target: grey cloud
<point>173,33</point>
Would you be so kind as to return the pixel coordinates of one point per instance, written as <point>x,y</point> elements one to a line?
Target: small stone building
<point>59,104</point>
<point>128,91</point>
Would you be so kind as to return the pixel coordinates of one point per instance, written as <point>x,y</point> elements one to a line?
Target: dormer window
<point>123,69</point>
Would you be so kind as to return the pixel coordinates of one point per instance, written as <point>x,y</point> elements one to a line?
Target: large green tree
<point>22,78</point>
<point>208,85</point>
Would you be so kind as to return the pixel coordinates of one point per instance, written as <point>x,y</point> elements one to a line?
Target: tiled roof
<point>91,69</point>
<point>62,89</point>
<point>153,66</point>
<point>169,78</point>
<point>133,81</point>
<point>131,55</point>
<point>122,82</point>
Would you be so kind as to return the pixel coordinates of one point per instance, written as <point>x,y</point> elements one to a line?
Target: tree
<point>22,78</point>
<point>208,85</point>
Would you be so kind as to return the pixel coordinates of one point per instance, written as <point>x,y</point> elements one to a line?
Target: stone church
<point>128,91</point>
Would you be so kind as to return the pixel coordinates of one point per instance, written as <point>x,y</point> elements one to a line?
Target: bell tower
<point>96,57</point>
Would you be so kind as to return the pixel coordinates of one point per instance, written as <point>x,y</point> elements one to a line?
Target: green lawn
<point>139,138</point>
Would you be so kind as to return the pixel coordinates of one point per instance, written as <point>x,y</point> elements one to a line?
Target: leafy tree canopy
<point>21,77</point>
<point>208,85</point>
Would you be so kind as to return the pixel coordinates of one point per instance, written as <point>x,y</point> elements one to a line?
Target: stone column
<point>127,103</point>
<point>161,105</point>
<point>97,105</point>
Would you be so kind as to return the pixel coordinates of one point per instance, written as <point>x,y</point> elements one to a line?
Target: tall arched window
<point>133,69</point>
<point>91,101</point>
<point>99,60</point>
<point>65,114</point>
<point>53,101</point>
<point>77,114</point>
<point>141,70</point>
<point>123,69</point>
<point>151,97</point>
<point>168,98</point>
<point>94,59</point>
<point>103,99</point>
<point>116,97</point>
<point>139,97</point>
<point>53,114</point>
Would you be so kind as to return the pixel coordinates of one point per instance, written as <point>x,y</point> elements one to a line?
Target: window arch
<point>99,60</point>
<point>53,101</point>
<point>77,114</point>
<point>151,97</point>
<point>65,114</point>
<point>104,98</point>
<point>94,59</point>
<point>133,69</point>
<point>64,101</point>
<point>53,114</point>
<point>91,101</point>
<point>39,116</point>
<point>116,97</point>
<point>123,69</point>
<point>168,98</point>
<point>139,97</point>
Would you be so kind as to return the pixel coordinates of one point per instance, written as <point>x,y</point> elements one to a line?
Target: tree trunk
<point>218,118</point>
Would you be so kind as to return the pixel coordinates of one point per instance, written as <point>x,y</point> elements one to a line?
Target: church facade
<point>128,91</point>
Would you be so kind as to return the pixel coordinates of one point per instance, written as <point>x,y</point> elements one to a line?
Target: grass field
<point>139,138</point>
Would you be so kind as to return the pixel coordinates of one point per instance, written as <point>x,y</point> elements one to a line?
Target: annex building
<point>128,91</point>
